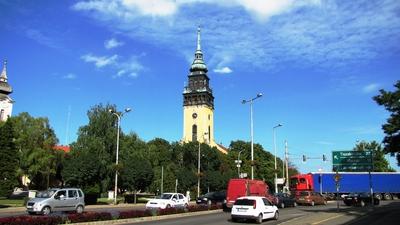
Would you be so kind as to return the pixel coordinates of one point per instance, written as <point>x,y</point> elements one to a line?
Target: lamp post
<point>198,168</point>
<point>274,139</point>
<point>118,115</point>
<point>238,162</point>
<point>259,95</point>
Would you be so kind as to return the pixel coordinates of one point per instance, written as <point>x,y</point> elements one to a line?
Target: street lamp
<point>118,115</point>
<point>198,168</point>
<point>274,138</point>
<point>259,95</point>
<point>238,162</point>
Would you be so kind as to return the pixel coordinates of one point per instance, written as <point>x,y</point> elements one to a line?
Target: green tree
<point>136,173</point>
<point>35,140</point>
<point>379,162</point>
<point>91,164</point>
<point>9,160</point>
<point>391,102</point>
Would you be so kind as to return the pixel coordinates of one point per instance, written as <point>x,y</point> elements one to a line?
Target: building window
<point>2,115</point>
<point>209,134</point>
<point>209,117</point>
<point>194,132</point>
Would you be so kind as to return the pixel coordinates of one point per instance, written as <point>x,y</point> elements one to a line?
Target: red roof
<point>64,148</point>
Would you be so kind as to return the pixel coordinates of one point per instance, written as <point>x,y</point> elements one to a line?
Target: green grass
<point>4,202</point>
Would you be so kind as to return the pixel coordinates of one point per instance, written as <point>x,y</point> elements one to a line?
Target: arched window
<point>194,132</point>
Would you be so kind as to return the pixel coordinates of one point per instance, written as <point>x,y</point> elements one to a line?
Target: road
<point>386,213</point>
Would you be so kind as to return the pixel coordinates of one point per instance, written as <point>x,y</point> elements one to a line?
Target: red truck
<point>246,187</point>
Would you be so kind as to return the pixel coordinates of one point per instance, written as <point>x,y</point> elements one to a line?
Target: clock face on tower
<point>194,115</point>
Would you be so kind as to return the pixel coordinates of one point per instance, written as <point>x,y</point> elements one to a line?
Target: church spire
<point>198,39</point>
<point>3,76</point>
<point>198,62</point>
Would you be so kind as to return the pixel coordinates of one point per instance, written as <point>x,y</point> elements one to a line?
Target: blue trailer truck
<point>385,185</point>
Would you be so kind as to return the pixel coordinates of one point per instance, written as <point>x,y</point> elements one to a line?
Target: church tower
<point>198,103</point>
<point>6,103</point>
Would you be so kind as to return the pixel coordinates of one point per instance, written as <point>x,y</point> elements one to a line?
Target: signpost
<point>352,161</point>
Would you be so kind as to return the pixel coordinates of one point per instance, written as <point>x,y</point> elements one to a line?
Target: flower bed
<point>99,216</point>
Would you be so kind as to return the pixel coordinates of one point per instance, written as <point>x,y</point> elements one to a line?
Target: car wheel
<point>362,203</point>
<point>46,210</point>
<point>276,216</point>
<point>31,213</point>
<point>387,196</point>
<point>295,204</point>
<point>259,218</point>
<point>282,205</point>
<point>79,209</point>
<point>312,203</point>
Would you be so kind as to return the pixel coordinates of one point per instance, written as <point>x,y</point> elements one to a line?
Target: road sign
<point>352,160</point>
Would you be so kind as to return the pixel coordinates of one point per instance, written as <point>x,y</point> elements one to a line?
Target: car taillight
<point>254,205</point>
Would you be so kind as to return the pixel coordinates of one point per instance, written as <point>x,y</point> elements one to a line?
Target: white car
<point>255,208</point>
<point>168,200</point>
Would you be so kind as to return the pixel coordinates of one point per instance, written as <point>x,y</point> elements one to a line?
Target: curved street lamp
<point>276,175</point>
<point>118,115</point>
<point>259,95</point>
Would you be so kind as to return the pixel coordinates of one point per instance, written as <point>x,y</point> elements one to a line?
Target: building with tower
<point>198,103</point>
<point>6,103</point>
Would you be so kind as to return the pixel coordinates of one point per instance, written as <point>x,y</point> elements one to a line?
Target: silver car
<point>57,199</point>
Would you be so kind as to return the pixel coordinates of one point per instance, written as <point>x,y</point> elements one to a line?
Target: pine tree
<point>9,160</point>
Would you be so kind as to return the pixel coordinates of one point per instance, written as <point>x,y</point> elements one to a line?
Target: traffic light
<point>324,158</point>
<point>304,158</point>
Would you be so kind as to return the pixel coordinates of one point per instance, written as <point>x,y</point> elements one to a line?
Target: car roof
<point>251,197</point>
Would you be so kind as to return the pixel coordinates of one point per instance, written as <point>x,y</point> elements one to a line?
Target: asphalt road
<point>387,213</point>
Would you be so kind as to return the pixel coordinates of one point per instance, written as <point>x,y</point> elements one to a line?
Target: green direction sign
<point>352,160</point>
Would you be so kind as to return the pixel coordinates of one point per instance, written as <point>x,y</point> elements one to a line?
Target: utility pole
<point>287,165</point>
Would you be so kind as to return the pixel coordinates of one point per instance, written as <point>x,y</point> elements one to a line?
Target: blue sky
<point>317,62</point>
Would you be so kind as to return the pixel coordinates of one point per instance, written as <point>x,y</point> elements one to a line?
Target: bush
<point>134,214</point>
<point>89,216</point>
<point>31,220</point>
<point>91,199</point>
<point>129,198</point>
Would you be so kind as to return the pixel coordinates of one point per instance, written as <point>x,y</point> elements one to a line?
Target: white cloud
<point>324,35</point>
<point>112,43</point>
<point>70,76</point>
<point>371,88</point>
<point>224,70</point>
<point>100,61</point>
<point>121,67</point>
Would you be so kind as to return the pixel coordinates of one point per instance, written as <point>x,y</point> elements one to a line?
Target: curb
<point>149,218</point>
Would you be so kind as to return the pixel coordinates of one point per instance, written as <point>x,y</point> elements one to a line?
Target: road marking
<point>330,218</point>
<point>293,219</point>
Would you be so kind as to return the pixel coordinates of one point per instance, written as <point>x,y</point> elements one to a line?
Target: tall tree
<point>391,101</point>
<point>91,164</point>
<point>34,140</point>
<point>379,162</point>
<point>9,159</point>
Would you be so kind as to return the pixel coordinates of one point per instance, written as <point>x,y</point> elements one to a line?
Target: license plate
<point>301,198</point>
<point>241,210</point>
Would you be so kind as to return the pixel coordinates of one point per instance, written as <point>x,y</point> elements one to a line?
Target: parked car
<point>212,198</point>
<point>246,187</point>
<point>310,198</point>
<point>285,199</point>
<point>255,208</point>
<point>57,199</point>
<point>360,199</point>
<point>168,200</point>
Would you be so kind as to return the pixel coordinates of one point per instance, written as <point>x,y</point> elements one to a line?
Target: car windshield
<point>244,201</point>
<point>164,196</point>
<point>209,194</point>
<point>45,194</point>
<point>304,193</point>
<point>353,195</point>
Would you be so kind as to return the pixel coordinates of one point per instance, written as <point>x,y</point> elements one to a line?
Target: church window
<point>209,117</point>
<point>2,115</point>
<point>209,133</point>
<point>194,132</point>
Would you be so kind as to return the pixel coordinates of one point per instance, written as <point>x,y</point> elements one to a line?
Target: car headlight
<point>205,199</point>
